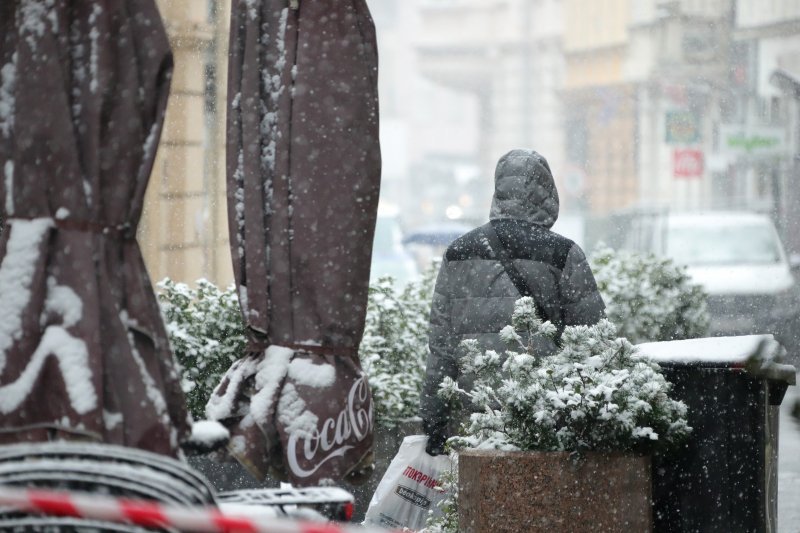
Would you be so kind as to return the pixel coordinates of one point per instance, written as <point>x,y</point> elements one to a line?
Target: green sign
<point>754,140</point>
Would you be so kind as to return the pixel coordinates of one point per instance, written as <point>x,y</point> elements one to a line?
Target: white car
<point>736,256</point>
<point>389,257</point>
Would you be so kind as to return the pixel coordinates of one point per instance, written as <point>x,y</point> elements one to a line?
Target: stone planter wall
<point>550,492</point>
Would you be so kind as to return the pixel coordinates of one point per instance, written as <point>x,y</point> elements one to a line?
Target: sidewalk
<point>789,467</point>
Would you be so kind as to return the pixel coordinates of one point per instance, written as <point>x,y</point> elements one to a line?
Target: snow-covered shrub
<point>207,335</point>
<point>649,298</point>
<point>447,520</point>
<point>394,350</point>
<point>595,393</point>
<point>206,332</point>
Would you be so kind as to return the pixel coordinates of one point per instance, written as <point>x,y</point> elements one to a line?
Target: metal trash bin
<point>724,478</point>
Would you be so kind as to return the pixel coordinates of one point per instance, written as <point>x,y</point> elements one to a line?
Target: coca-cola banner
<point>83,350</point>
<point>325,418</point>
<point>305,417</point>
<point>303,177</point>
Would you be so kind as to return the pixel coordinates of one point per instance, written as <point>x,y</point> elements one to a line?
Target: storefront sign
<point>687,163</point>
<point>682,127</point>
<point>754,140</point>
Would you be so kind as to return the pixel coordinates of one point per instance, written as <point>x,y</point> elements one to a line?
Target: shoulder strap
<point>518,279</point>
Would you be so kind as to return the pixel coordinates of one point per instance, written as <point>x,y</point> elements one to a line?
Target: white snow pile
<point>595,393</point>
<point>209,433</point>
<point>710,350</point>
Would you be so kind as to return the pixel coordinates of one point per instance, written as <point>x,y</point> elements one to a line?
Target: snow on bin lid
<point>709,350</point>
<point>724,351</point>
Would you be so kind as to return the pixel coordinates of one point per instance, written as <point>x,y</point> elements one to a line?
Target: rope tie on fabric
<point>259,345</point>
<point>122,232</point>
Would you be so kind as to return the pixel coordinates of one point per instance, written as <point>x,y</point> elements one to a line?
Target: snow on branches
<point>207,335</point>
<point>649,298</point>
<point>595,393</point>
<point>394,349</point>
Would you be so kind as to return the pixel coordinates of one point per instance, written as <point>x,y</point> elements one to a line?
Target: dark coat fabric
<point>474,296</point>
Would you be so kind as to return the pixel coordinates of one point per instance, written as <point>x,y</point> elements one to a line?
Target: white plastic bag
<point>410,488</point>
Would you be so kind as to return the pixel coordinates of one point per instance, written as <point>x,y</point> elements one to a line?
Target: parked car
<point>736,256</point>
<point>427,243</point>
<point>389,258</point>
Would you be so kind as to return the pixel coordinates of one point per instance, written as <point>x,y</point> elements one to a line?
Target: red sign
<point>687,163</point>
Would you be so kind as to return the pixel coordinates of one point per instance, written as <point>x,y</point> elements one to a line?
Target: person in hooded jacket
<point>486,270</point>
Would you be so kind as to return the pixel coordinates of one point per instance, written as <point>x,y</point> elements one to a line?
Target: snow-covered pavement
<point>789,467</point>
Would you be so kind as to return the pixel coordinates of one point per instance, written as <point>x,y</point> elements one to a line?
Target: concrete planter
<point>548,491</point>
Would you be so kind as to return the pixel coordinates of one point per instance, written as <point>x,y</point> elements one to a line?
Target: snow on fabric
<point>71,352</point>
<point>292,413</point>
<point>305,372</point>
<point>318,407</point>
<point>16,275</point>
<point>8,172</point>
<point>111,420</point>
<point>153,392</point>
<point>94,34</point>
<point>77,313</point>
<point>8,76</point>
<point>209,432</point>
<point>310,443</point>
<point>35,15</point>
<point>73,361</point>
<point>306,269</point>
<point>62,301</point>
<point>222,406</point>
<point>270,372</point>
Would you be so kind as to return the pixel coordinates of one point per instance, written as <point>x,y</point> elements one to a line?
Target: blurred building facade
<point>639,104</point>
<point>429,130</point>
<point>184,233</point>
<point>507,55</point>
<point>767,33</point>
<point>679,104</point>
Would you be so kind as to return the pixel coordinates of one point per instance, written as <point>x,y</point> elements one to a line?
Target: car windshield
<point>737,244</point>
<point>388,237</point>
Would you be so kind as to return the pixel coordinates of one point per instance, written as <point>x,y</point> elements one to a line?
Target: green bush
<point>207,335</point>
<point>394,350</point>
<point>648,298</point>
<point>595,393</point>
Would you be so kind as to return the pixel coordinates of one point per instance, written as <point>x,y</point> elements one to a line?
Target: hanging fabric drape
<point>303,181</point>
<point>83,351</point>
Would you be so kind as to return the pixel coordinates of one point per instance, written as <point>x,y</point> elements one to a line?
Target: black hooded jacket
<point>474,296</point>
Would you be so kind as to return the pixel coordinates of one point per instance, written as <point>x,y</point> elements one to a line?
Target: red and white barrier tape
<point>154,514</point>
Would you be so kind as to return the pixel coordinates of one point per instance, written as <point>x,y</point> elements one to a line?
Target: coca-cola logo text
<point>334,437</point>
